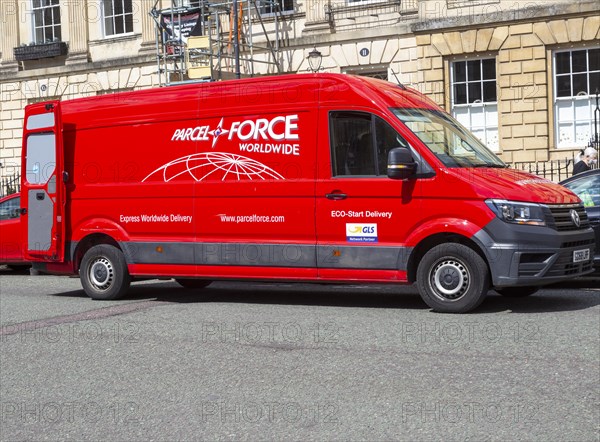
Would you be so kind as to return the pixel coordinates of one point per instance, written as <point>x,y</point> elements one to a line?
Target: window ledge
<point>285,15</point>
<point>116,38</point>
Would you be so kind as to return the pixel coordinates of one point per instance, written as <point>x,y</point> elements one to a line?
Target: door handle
<point>40,196</point>
<point>336,196</point>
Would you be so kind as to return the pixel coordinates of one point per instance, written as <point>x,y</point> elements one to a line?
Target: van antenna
<point>397,80</point>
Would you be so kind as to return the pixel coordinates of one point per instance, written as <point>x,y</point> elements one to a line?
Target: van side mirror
<point>400,164</point>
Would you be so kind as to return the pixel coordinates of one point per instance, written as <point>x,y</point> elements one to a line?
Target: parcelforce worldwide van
<point>323,178</point>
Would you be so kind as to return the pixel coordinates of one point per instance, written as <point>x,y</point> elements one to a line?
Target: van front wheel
<point>452,278</point>
<point>103,273</point>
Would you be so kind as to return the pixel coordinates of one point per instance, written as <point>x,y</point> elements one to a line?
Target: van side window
<point>386,139</point>
<point>360,143</point>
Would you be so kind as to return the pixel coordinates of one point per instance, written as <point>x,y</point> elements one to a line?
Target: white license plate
<point>581,255</point>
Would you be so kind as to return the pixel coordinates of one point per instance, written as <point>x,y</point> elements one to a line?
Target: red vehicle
<point>11,250</point>
<point>324,178</point>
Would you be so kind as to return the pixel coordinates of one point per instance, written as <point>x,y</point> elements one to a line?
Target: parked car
<point>587,186</point>
<point>11,253</point>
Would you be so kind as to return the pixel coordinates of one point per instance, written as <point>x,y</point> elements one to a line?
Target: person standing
<point>585,160</point>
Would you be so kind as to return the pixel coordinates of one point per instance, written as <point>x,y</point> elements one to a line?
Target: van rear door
<point>43,188</point>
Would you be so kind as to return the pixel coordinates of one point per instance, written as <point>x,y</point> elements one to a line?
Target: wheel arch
<point>89,241</point>
<point>432,241</point>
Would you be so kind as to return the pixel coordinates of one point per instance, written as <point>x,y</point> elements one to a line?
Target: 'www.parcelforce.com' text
<point>251,218</point>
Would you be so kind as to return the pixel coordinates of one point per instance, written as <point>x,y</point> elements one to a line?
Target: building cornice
<point>79,68</point>
<point>528,14</point>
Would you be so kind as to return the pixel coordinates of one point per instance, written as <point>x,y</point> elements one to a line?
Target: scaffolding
<point>208,41</point>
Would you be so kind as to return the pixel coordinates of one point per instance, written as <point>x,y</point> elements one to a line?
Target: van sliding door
<point>42,193</point>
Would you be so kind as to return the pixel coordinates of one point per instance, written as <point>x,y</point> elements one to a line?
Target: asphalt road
<point>250,361</point>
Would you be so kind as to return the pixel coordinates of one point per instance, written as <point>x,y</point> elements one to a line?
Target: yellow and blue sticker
<point>358,232</point>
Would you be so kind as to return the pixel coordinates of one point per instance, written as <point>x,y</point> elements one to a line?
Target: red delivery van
<point>319,177</point>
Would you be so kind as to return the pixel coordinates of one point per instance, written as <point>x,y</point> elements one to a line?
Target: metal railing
<point>10,185</point>
<point>357,16</point>
<point>554,170</point>
<point>558,170</point>
<point>595,139</point>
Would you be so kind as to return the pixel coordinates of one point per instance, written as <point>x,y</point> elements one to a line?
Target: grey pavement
<point>257,361</point>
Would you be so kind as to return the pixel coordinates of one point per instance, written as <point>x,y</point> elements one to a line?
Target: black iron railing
<point>554,170</point>
<point>10,185</point>
<point>595,139</point>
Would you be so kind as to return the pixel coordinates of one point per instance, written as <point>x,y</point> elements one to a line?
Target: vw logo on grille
<point>575,217</point>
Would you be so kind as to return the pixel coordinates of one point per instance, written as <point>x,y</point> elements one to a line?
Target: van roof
<point>376,85</point>
<point>292,90</point>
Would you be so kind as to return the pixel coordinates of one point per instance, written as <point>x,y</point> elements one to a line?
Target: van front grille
<point>564,217</point>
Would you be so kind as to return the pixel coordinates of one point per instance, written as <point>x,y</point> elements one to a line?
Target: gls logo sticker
<point>361,232</point>
<point>357,229</point>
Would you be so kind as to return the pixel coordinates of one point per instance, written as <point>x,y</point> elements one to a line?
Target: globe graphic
<point>213,165</point>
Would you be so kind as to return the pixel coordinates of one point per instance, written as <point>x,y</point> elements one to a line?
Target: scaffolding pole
<point>229,24</point>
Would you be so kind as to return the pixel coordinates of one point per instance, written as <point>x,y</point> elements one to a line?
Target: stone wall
<point>15,95</point>
<point>523,58</point>
<point>417,51</point>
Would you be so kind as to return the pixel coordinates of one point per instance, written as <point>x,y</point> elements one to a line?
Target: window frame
<point>373,121</point>
<point>556,100</point>
<point>486,107</point>
<point>370,71</point>
<point>113,17</point>
<point>44,27</point>
<point>264,13</point>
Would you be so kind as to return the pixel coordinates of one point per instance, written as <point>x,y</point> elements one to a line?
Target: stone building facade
<point>520,74</point>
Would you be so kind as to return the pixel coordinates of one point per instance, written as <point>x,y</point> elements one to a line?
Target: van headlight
<point>516,212</point>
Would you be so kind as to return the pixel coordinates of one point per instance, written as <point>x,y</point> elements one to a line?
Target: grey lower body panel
<point>267,255</point>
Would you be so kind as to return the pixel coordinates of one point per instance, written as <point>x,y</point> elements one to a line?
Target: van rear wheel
<point>103,273</point>
<point>452,278</point>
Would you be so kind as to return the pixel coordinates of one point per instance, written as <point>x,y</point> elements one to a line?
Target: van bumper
<point>534,255</point>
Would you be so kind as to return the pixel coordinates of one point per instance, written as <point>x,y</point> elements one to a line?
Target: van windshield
<point>454,145</point>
